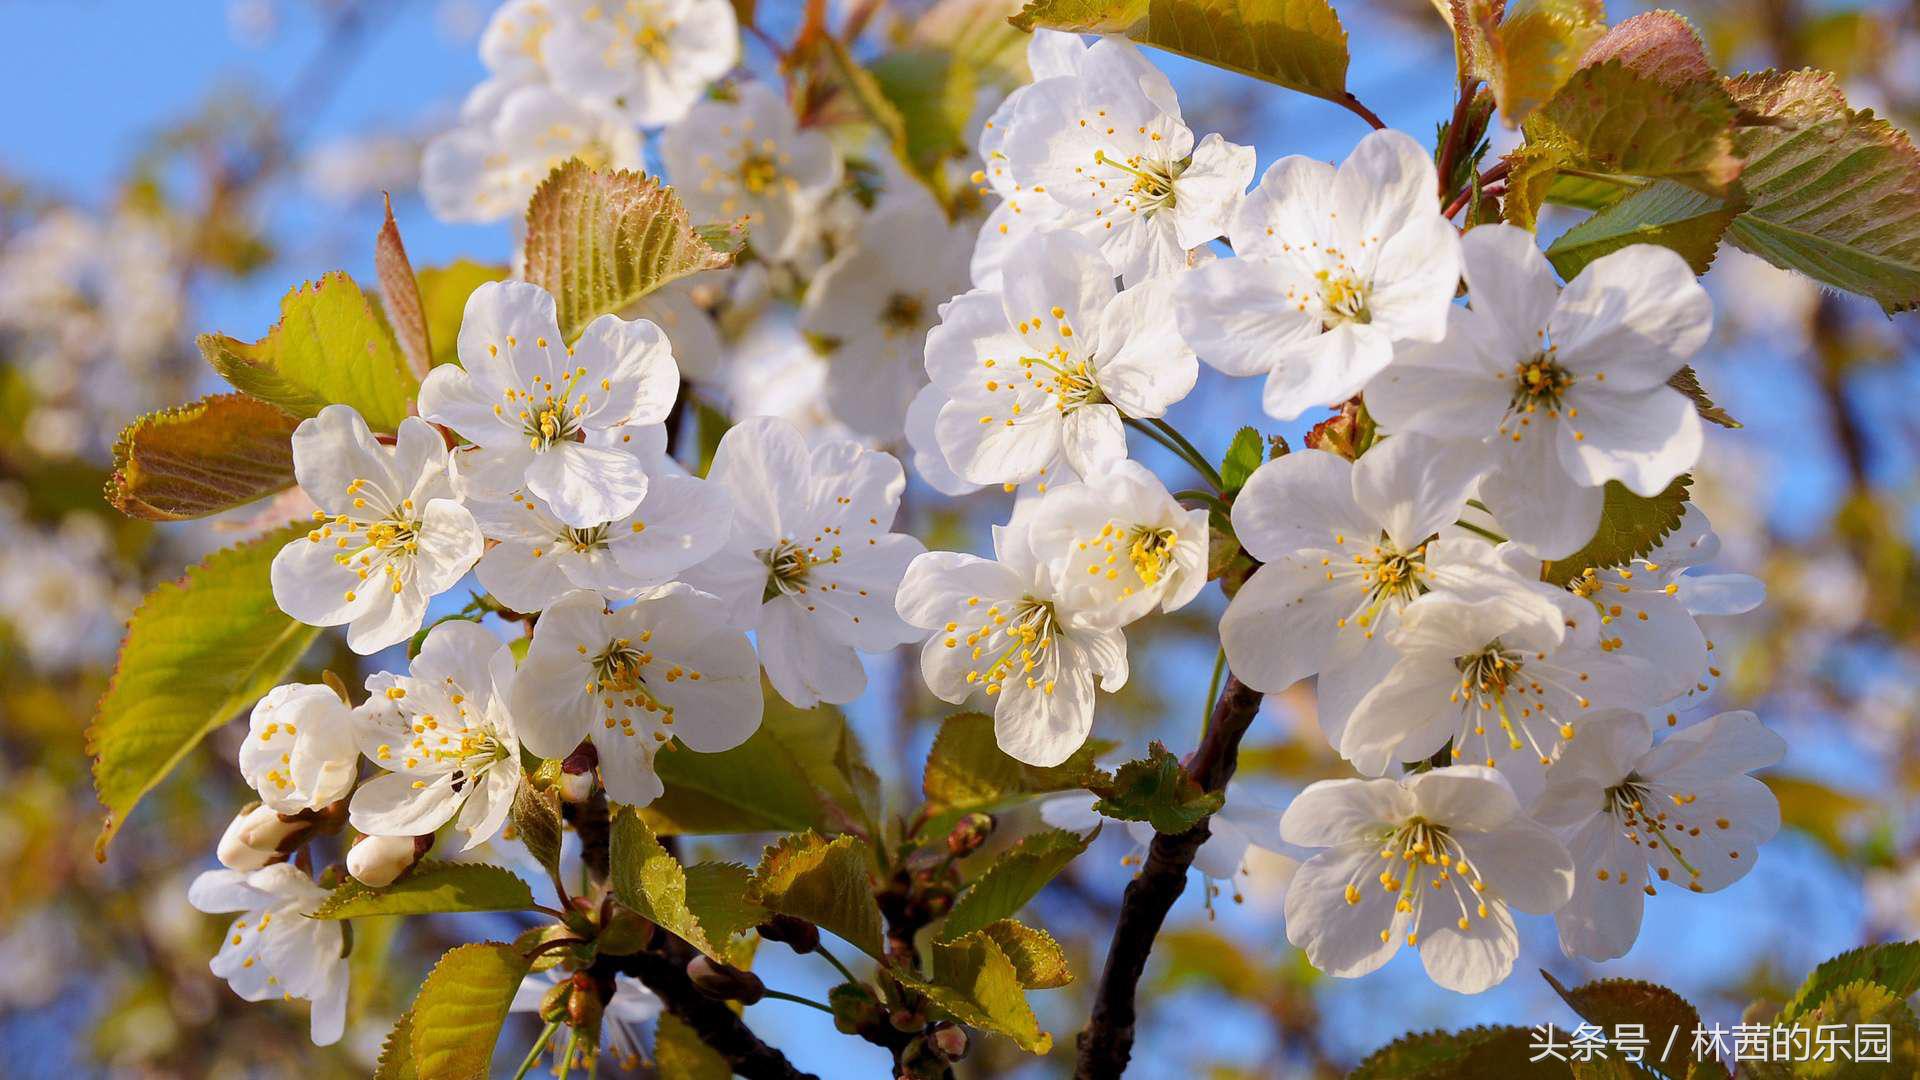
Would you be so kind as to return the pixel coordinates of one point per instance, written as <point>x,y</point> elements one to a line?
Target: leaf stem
<point>780,995</point>
<point>539,1044</point>
<point>835,961</point>
<point>1166,444</point>
<point>1352,104</point>
<point>1208,497</point>
<point>1213,689</point>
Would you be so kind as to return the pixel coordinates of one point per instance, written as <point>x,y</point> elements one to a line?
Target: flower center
<point>789,565</point>
<point>1343,298</point>
<point>904,313</point>
<point>1525,695</point>
<point>619,682</point>
<point>1388,579</point>
<point>1540,383</point>
<point>1418,852</point>
<point>1152,187</point>
<point>1151,550</point>
<point>377,535</point>
<point>1011,641</point>
<point>758,172</point>
<point>1658,821</point>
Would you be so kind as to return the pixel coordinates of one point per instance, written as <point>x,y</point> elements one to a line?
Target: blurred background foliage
<point>165,174</point>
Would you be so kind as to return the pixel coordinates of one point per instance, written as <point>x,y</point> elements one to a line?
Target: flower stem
<point>779,995</point>
<point>539,1044</point>
<point>1199,459</point>
<point>1213,689</point>
<point>835,961</point>
<point>1181,449</point>
<point>566,1060</point>
<point>1477,530</point>
<point>1197,495</point>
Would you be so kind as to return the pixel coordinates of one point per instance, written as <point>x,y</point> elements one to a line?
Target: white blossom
<point>299,753</point>
<point>811,564</point>
<point>652,59</point>
<point>1021,211</point>
<point>511,135</point>
<point>747,158</point>
<point>1243,822</point>
<point>1435,860</point>
<point>1559,390</point>
<point>1047,367</point>
<point>668,664</point>
<point>273,950</point>
<point>1334,271</point>
<point>1683,813</point>
<point>388,534</point>
<point>534,406</point>
<point>1120,545</point>
<point>445,736</point>
<point>512,44</point>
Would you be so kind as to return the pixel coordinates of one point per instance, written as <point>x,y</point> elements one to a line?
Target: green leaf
<point>598,241</point>
<point>791,775</point>
<point>975,983</point>
<point>651,882</point>
<point>443,300</point>
<point>1525,52</point>
<point>197,651</point>
<point>967,771</point>
<point>1664,212</point>
<point>1245,453</point>
<point>215,454</point>
<point>1630,526</point>
<point>1822,811</point>
<point>1610,1002</point>
<point>1015,877</point>
<point>460,1008</point>
<point>432,887</point>
<point>1459,1055</point>
<point>1835,191</point>
<point>536,818</point>
<point>1037,959</point>
<point>1156,789</point>
<point>933,92</point>
<point>1860,1003</point>
<point>396,1053</point>
<point>1895,965</point>
<point>1687,381</point>
<point>825,883</point>
<point>1609,118</point>
<point>679,1052</point>
<point>329,347</point>
<point>1298,44</point>
<point>718,895</point>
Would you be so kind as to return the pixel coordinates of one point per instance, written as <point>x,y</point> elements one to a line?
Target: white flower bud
<point>576,787</point>
<point>376,861</point>
<point>254,837</point>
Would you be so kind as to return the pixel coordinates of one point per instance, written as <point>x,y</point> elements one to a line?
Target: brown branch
<point>665,973</point>
<point>1106,1044</point>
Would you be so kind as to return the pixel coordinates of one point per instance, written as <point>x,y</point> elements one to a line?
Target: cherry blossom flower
<point>1345,547</point>
<point>1107,145</point>
<point>631,1010</point>
<point>811,564</point>
<point>533,405</point>
<point>1047,367</point>
<point>1001,626</point>
<point>1120,545</point>
<point>511,135</point>
<point>667,665</point>
<point>1021,211</point>
<point>537,558</point>
<point>273,950</point>
<point>1683,813</point>
<point>1435,860</point>
<point>1243,822</point>
<point>445,737</point>
<point>388,536</point>
<point>876,299</point>
<point>923,440</point>
<point>1561,390</point>
<point>298,753</point>
<point>512,45</point>
<point>652,59</point>
<point>1506,680</point>
<point>747,158</point>
<point>1334,270</point>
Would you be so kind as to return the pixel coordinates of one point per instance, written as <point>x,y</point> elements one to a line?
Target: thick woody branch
<point>664,971</point>
<point>1106,1044</point>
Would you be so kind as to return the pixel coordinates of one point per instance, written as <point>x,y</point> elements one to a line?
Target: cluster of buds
<point>260,836</point>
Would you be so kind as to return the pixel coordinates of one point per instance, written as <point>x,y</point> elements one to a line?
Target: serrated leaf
<point>329,347</point>
<point>1037,959</point>
<point>718,895</point>
<point>598,241</point>
<point>1611,119</point>
<point>967,771</point>
<point>396,1053</point>
<point>1857,1004</point>
<point>1298,44</point>
<point>1156,789</point>
<point>1687,381</point>
<point>443,301</point>
<point>975,983</point>
<point>1630,526</point>
<point>460,1008</point>
<point>536,819</point>
<point>1835,191</point>
<point>1525,52</point>
<point>1610,1002</point>
<point>679,1052</point>
<point>651,882</point>
<point>1016,876</point>
<point>1459,1055</point>
<point>790,775</point>
<point>212,455</point>
<point>826,883</point>
<point>1661,45</point>
<point>401,292</point>
<point>1244,454</point>
<point>432,887</point>
<point>1666,213</point>
<point>197,651</point>
<point>1895,965</point>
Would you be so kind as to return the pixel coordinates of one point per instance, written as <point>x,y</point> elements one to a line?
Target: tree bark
<point>665,973</point>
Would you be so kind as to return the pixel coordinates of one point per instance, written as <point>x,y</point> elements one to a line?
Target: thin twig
<point>1352,104</point>
<point>665,973</point>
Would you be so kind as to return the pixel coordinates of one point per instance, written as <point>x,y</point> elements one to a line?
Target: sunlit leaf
<point>1245,453</point>
<point>443,300</point>
<point>966,771</point>
<point>1156,789</point>
<point>975,982</point>
<point>827,883</point>
<point>432,887</point>
<point>1015,876</point>
<point>401,291</point>
<point>1666,213</point>
<point>1669,1019</point>
<point>215,454</point>
<point>790,775</point>
<point>1037,959</point>
<point>396,1053</point>
<point>536,819</point>
<point>457,1016</point>
<point>1630,526</point>
<point>1895,965</point>
<point>1687,381</point>
<point>652,883</point>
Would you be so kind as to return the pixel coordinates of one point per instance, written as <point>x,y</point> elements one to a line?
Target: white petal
<point>804,663</point>
<point>1636,314</point>
<point>1414,485</point>
<point>586,485</point>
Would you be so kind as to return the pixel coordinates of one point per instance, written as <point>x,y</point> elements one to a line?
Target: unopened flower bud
<point>554,1005</point>
<point>725,982</point>
<point>968,834</point>
<point>950,1039</point>
<point>254,838</point>
<point>799,934</point>
<point>576,773</point>
<point>378,861</point>
<point>586,1004</point>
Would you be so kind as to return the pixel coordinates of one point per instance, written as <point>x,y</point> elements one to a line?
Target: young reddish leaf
<point>401,291</point>
<point>212,455</point>
<point>1660,45</point>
